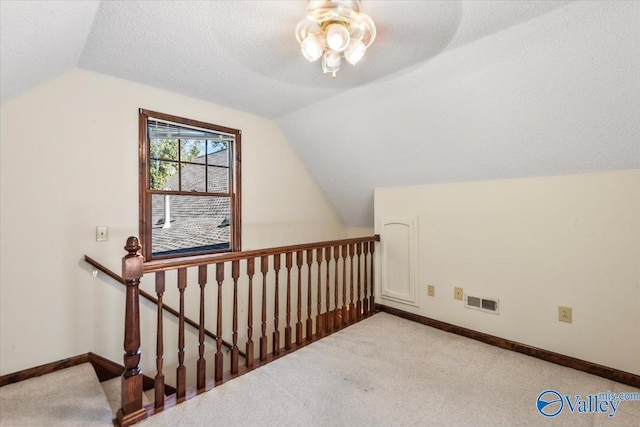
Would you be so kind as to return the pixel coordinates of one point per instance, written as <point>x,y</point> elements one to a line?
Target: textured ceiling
<point>242,54</point>
<point>449,91</point>
<point>40,40</point>
<point>559,94</point>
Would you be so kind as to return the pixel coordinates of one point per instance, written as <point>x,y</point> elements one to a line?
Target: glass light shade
<point>332,59</point>
<point>364,29</point>
<point>331,62</point>
<point>312,47</point>
<point>355,51</point>
<point>337,37</point>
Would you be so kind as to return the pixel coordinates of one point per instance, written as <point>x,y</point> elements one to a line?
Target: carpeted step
<point>112,390</point>
<point>69,397</point>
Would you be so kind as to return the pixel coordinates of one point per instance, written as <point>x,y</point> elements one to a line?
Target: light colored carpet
<point>383,371</point>
<point>387,371</point>
<point>69,397</point>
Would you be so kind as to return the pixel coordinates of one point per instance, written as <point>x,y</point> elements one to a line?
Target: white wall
<point>69,163</point>
<point>534,243</point>
<point>359,231</point>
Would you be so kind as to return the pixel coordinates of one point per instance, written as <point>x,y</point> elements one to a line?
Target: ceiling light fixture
<point>333,30</point>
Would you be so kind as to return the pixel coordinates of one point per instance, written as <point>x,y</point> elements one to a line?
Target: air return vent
<point>489,305</point>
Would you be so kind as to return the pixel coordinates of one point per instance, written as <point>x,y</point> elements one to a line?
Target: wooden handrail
<point>148,296</point>
<point>197,260</point>
<point>266,263</point>
<point>115,276</point>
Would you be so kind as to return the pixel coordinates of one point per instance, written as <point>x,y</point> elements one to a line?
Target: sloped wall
<point>534,244</point>
<point>70,163</point>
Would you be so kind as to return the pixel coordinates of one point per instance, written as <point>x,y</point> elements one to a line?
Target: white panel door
<point>398,253</point>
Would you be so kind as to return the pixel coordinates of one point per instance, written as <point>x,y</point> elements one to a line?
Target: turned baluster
<point>287,329</point>
<point>345,306</point>
<point>276,308</point>
<point>249,348</point>
<point>372,302</point>
<point>235,274</point>
<point>365,284</point>
<point>359,303</point>
<point>328,316</point>
<point>219,354</point>
<point>309,321</point>
<point>159,379</point>
<point>131,410</point>
<point>299,262</point>
<point>202,364</point>
<point>336,312</point>
<point>319,317</point>
<point>264,264</point>
<point>352,305</point>
<point>181,371</point>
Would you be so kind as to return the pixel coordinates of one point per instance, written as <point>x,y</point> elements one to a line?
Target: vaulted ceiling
<point>449,91</point>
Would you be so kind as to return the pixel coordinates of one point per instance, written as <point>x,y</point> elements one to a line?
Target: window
<point>189,187</point>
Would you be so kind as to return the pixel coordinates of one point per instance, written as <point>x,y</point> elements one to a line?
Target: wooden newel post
<point>131,410</point>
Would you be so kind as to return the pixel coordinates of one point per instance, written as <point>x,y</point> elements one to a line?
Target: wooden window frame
<point>145,193</point>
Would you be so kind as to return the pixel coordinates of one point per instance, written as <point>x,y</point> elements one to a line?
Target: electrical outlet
<point>564,314</point>
<point>102,233</point>
<point>458,293</point>
<point>431,290</point>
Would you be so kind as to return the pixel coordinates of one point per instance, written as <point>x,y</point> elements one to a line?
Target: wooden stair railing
<point>339,312</point>
<point>156,301</point>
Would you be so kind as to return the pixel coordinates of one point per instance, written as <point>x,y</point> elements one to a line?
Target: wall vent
<point>489,305</point>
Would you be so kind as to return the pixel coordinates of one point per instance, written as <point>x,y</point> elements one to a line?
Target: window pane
<point>193,150</point>
<point>217,153</point>
<point>163,175</point>
<point>197,223</point>
<point>217,179</point>
<point>193,177</point>
<point>163,149</point>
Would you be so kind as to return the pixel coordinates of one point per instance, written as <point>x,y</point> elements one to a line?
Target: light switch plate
<point>102,233</point>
